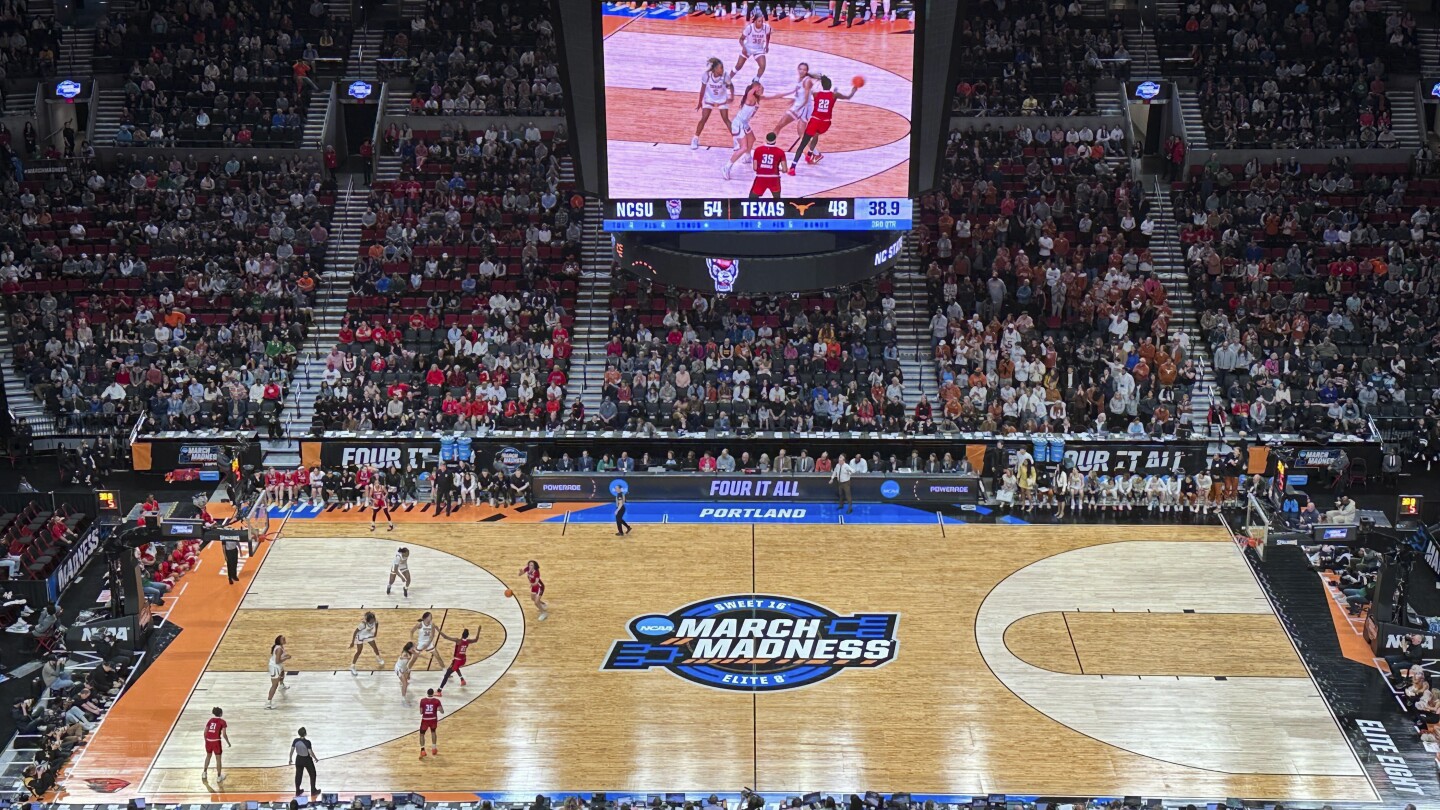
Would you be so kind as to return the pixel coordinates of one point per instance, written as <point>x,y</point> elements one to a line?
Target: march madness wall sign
<point>756,643</point>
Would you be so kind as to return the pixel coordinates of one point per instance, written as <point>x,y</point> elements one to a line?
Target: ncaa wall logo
<point>756,643</point>
<point>618,486</point>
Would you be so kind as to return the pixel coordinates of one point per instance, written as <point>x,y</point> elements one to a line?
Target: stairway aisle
<point>18,395</point>
<point>1404,117</point>
<point>912,322</point>
<point>592,317</point>
<point>76,58</point>
<point>109,109</point>
<point>1195,137</point>
<point>364,50</point>
<point>1144,52</point>
<point>1429,53</point>
<point>1171,271</point>
<point>332,298</point>
<point>315,120</point>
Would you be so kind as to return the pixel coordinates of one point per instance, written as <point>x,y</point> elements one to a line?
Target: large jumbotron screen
<point>688,98</point>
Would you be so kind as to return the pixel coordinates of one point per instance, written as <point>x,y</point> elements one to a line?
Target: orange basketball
<point>509,593</point>
<point>858,81</point>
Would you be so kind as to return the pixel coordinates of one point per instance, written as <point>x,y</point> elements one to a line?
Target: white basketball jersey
<point>757,37</point>
<point>717,88</point>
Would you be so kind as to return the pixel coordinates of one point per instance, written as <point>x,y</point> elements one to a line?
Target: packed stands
<point>462,301</point>
<point>682,361</point>
<point>239,79</point>
<point>1034,58</point>
<point>1317,291</point>
<point>1262,68</point>
<point>1047,315</point>
<point>179,290</point>
<point>28,42</point>
<point>482,58</point>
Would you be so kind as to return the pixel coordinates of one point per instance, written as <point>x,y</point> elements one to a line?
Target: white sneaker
<point>379,661</point>
<point>725,172</point>
<point>353,670</point>
<point>544,616</point>
<point>18,627</point>
<point>694,144</point>
<point>269,704</point>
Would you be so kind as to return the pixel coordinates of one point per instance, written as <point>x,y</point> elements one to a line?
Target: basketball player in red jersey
<point>430,711</point>
<point>289,489</point>
<point>537,588</point>
<point>379,502</point>
<point>769,162</point>
<point>302,483</point>
<point>822,111</point>
<point>215,731</point>
<point>274,482</point>
<point>458,660</point>
<point>363,478</point>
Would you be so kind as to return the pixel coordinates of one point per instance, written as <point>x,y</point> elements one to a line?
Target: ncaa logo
<point>619,487</point>
<point>889,488</point>
<point>672,207</point>
<point>756,643</point>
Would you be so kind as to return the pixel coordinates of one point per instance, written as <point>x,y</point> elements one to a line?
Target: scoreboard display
<point>843,214</point>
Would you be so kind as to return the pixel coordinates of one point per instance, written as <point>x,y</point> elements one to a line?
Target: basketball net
<point>257,518</point>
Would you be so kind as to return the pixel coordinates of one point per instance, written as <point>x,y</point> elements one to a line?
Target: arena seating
<point>1315,280</point>
<point>1032,58</point>
<point>1040,283</point>
<point>28,42</point>
<point>1262,67</point>
<point>482,58</point>
<point>118,306</point>
<point>681,361</point>
<point>462,303</point>
<point>243,81</point>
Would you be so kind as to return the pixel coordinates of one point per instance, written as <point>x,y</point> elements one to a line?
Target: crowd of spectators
<point>1047,314</point>
<point>1303,75</point>
<point>478,58</point>
<point>1316,284</point>
<point>179,289</point>
<point>462,300</point>
<point>1034,58</point>
<point>688,362</point>
<point>195,76</point>
<point>28,43</point>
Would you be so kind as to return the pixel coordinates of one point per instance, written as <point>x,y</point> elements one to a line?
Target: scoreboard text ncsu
<point>860,214</point>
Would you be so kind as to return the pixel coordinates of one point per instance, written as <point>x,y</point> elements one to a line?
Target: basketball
<point>858,81</point>
<point>509,593</point>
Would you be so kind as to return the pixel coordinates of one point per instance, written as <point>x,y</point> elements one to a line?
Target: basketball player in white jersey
<point>740,131</point>
<point>754,42</point>
<point>799,111</point>
<point>716,89</point>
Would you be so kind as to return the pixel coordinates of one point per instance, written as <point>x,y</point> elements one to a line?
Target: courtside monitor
<point>691,101</point>
<point>1331,533</point>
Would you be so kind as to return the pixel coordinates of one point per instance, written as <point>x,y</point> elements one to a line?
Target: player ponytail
<point>713,63</point>
<point>825,82</point>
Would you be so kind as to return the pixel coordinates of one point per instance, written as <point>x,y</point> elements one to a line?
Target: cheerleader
<point>1172,494</point>
<point>366,633</point>
<point>1025,480</point>
<point>1203,485</point>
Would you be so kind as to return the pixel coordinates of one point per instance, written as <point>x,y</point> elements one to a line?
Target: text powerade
<point>846,214</point>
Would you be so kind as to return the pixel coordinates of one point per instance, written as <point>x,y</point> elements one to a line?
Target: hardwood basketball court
<point>1049,660</point>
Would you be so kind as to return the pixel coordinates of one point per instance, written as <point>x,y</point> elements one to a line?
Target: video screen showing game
<point>734,101</point>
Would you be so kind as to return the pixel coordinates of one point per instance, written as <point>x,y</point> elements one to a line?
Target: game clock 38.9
<point>845,214</point>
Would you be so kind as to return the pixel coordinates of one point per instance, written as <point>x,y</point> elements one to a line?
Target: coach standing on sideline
<point>841,474</point>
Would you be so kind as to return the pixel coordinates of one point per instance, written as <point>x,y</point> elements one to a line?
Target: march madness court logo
<point>756,643</point>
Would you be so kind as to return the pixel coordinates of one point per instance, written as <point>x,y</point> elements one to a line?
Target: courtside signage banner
<point>755,489</point>
<point>756,643</point>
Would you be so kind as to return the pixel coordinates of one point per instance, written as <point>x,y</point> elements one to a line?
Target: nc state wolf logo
<point>106,785</point>
<point>724,272</point>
